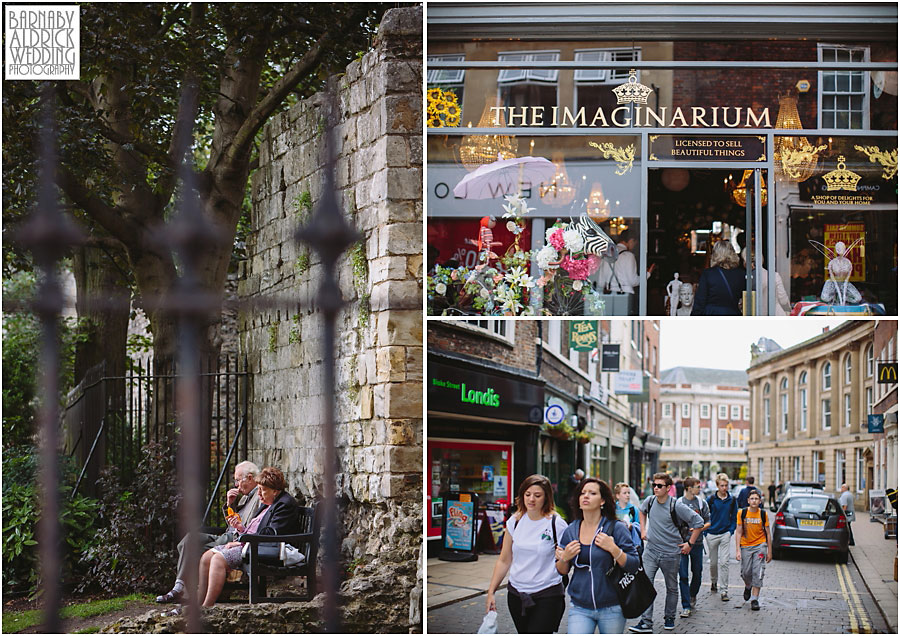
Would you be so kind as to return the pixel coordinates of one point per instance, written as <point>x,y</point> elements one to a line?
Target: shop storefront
<point>670,139</point>
<point>483,433</point>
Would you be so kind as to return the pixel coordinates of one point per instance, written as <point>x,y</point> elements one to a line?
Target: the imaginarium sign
<point>634,116</point>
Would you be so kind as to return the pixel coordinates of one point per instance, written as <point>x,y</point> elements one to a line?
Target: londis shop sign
<point>466,391</point>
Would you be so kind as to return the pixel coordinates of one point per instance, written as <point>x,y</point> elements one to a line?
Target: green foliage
<point>304,206</point>
<point>138,526</point>
<point>303,262</point>
<point>294,335</point>
<point>273,337</point>
<point>364,310</point>
<point>21,350</point>
<point>18,621</point>
<point>360,263</point>
<point>21,511</point>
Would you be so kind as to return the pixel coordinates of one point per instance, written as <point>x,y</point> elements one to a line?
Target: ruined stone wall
<point>379,349</point>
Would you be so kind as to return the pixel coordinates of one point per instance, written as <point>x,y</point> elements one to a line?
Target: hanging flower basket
<point>560,431</point>
<point>582,437</point>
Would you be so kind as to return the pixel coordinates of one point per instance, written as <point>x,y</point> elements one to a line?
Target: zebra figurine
<point>595,239</point>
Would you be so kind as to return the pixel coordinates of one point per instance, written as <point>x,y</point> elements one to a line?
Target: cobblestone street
<point>802,594</point>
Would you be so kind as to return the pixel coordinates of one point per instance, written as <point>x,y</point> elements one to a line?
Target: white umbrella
<point>506,176</point>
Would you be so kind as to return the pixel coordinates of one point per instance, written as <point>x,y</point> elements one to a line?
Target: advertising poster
<point>500,485</point>
<point>460,525</point>
<point>848,234</point>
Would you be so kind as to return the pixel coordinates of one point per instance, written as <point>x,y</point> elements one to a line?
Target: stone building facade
<point>705,421</point>
<point>809,407</point>
<point>378,414</point>
<point>884,461</point>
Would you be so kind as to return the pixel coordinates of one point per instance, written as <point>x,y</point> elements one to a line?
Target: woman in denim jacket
<point>592,542</point>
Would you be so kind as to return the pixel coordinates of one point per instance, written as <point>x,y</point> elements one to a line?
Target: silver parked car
<point>811,522</point>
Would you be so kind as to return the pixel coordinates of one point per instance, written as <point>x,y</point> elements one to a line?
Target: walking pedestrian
<point>627,512</point>
<point>694,558</point>
<point>722,515</point>
<point>536,598</point>
<point>745,492</point>
<point>662,521</point>
<point>592,542</point>
<point>754,549</point>
<point>846,501</point>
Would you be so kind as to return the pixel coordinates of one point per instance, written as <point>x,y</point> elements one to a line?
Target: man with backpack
<point>669,529</point>
<point>722,515</point>
<point>745,492</point>
<point>693,559</point>
<point>754,548</point>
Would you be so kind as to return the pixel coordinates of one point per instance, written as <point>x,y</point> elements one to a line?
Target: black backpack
<point>765,523</point>
<point>681,526</point>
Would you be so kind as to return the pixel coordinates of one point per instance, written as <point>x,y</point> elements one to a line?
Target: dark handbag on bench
<point>269,553</point>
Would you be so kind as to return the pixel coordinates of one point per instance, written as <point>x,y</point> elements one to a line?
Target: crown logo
<point>841,179</point>
<point>632,90</point>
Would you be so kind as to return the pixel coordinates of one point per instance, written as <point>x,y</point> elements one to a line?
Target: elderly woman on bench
<point>278,514</point>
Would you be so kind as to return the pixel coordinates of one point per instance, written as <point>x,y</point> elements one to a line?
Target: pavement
<point>872,567</point>
<point>872,556</point>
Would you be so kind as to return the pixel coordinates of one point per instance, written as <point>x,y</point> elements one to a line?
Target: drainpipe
<point>538,348</point>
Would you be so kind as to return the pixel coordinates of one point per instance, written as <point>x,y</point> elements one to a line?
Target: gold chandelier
<point>597,204</point>
<point>560,191</point>
<point>795,157</point>
<point>477,150</point>
<point>739,194</point>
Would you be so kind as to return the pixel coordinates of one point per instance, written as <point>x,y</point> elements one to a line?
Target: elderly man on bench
<point>244,498</point>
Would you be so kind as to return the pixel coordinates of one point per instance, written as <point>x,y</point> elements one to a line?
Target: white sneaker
<point>686,612</point>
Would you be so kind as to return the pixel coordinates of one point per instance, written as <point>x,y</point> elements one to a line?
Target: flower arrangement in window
<point>567,260</point>
<point>443,108</point>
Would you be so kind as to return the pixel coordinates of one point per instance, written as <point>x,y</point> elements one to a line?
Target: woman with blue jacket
<point>592,543</point>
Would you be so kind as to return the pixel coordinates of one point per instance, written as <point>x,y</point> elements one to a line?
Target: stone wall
<point>379,351</point>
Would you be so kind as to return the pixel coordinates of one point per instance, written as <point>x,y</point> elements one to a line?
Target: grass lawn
<point>17,621</point>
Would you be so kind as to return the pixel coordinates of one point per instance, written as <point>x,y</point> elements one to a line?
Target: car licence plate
<point>816,523</point>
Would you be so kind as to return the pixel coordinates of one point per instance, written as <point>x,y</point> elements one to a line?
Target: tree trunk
<point>99,284</point>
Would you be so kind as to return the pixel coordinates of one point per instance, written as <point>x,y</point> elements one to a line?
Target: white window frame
<point>767,415</point>
<point>864,92</point>
<point>784,412</point>
<point>736,434</point>
<point>735,411</point>
<point>840,462</point>
<point>723,411</point>
<point>826,376</point>
<point>848,370</point>
<point>860,470</point>
<point>870,400</point>
<point>554,336</point>
<point>777,471</point>
<point>685,436</point>
<point>446,76</point>
<point>595,76</point>
<point>870,361</point>
<point>704,436</point>
<point>826,414</point>
<point>704,411</point>
<point>502,330</point>
<point>515,76</point>
<point>746,413</point>
<point>797,469</point>
<point>804,409</point>
<point>667,409</point>
<point>848,410</point>
<point>723,438</point>
<point>685,410</point>
<point>761,470</point>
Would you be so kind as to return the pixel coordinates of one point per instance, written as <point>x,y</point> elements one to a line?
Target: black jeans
<point>541,618</point>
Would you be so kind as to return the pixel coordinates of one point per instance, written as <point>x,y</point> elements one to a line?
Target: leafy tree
<point>119,122</point>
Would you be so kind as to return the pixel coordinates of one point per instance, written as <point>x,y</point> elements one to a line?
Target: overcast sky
<point>725,343</point>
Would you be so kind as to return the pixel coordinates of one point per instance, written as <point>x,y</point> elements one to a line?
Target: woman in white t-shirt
<point>536,595</point>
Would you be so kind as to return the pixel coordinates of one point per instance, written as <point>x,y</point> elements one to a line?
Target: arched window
<point>870,361</point>
<point>784,384</point>
<point>767,410</point>
<point>826,375</point>
<point>848,368</point>
<point>802,379</point>
<point>804,401</point>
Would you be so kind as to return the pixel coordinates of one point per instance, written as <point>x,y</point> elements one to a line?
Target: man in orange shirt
<point>754,549</point>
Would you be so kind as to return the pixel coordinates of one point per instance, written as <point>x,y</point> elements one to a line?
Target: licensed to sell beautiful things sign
<point>848,234</point>
<point>583,335</point>
<point>707,148</point>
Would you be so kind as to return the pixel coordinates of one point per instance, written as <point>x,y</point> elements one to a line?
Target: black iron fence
<point>107,419</point>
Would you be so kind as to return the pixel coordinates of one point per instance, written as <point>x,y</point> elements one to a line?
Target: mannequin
<point>672,291</point>
<point>838,290</point>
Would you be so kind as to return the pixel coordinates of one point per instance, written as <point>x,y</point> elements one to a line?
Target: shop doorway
<point>688,211</point>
